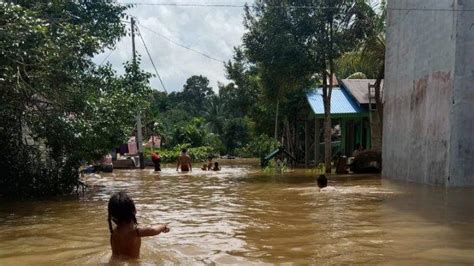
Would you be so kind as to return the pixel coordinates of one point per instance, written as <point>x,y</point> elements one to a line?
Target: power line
<point>281,6</point>
<point>107,57</point>
<point>184,5</point>
<point>431,9</point>
<point>217,5</point>
<point>149,56</point>
<point>182,45</point>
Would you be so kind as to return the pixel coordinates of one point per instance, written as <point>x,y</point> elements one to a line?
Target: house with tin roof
<point>351,109</point>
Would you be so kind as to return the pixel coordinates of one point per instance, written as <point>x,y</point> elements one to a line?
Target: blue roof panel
<point>341,102</point>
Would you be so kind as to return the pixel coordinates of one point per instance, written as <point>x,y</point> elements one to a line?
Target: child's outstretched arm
<point>153,230</point>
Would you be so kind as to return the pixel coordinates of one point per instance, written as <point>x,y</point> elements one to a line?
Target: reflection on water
<point>241,215</point>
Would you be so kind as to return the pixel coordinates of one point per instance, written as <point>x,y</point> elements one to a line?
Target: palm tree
<point>373,54</point>
<point>214,115</point>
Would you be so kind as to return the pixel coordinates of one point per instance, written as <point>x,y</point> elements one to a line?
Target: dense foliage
<point>286,50</point>
<point>198,154</point>
<point>197,117</point>
<point>295,47</point>
<point>57,107</point>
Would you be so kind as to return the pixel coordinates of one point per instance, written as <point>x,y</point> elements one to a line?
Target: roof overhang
<point>343,105</point>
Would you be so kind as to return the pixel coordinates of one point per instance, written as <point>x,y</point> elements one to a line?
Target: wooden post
<point>369,134</point>
<point>276,119</point>
<point>297,142</point>
<point>343,136</point>
<point>306,143</point>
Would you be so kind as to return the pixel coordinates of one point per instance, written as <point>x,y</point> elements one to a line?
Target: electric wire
<point>149,56</point>
<point>182,45</point>
<point>282,6</point>
<point>184,4</point>
<point>107,57</point>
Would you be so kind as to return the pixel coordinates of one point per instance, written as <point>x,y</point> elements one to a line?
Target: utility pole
<point>132,26</point>
<point>139,136</point>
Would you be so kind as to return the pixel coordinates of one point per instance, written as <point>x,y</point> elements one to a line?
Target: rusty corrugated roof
<point>358,88</point>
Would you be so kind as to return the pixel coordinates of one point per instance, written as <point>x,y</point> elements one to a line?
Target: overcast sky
<point>211,30</point>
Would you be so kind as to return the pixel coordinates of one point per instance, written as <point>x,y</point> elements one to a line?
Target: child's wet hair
<point>121,209</point>
<point>322,181</point>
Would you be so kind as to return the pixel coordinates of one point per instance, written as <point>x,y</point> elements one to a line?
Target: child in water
<point>125,237</point>
<point>216,167</point>
<point>208,165</point>
<point>322,182</point>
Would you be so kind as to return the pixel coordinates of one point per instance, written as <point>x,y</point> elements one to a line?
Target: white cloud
<point>211,30</point>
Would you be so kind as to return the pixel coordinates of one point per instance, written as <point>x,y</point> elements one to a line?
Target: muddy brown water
<point>241,215</point>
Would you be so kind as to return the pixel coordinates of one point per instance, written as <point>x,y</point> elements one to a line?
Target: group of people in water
<point>184,162</point>
<point>125,234</point>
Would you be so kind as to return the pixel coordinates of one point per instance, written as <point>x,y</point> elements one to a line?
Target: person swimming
<point>216,167</point>
<point>209,162</point>
<point>322,181</point>
<point>184,161</point>
<point>208,165</point>
<point>125,236</point>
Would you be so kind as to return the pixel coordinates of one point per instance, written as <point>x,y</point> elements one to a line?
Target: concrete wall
<point>462,111</point>
<point>428,126</point>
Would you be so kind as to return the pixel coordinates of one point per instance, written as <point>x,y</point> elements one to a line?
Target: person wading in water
<point>155,157</point>
<point>184,161</point>
<point>125,234</point>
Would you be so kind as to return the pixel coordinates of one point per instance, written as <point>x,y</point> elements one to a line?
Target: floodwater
<point>241,215</point>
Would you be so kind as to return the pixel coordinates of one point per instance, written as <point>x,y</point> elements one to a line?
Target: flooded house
<point>352,114</point>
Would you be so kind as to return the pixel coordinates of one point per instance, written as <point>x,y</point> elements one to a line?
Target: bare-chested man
<point>184,161</point>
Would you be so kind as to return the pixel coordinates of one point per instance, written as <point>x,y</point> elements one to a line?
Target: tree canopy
<point>57,107</point>
<point>59,110</point>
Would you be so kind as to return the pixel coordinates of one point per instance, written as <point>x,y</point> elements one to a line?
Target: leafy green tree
<point>240,95</point>
<point>273,44</point>
<point>373,54</point>
<point>237,132</point>
<point>167,122</point>
<point>193,133</point>
<point>340,25</point>
<point>56,107</point>
<point>112,103</point>
<point>292,45</point>
<point>194,116</point>
<point>369,58</point>
<point>196,94</point>
<point>214,115</point>
<point>258,147</point>
<point>350,63</point>
<point>161,102</point>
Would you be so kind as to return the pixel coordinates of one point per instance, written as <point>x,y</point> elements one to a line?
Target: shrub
<point>258,147</point>
<point>170,155</point>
